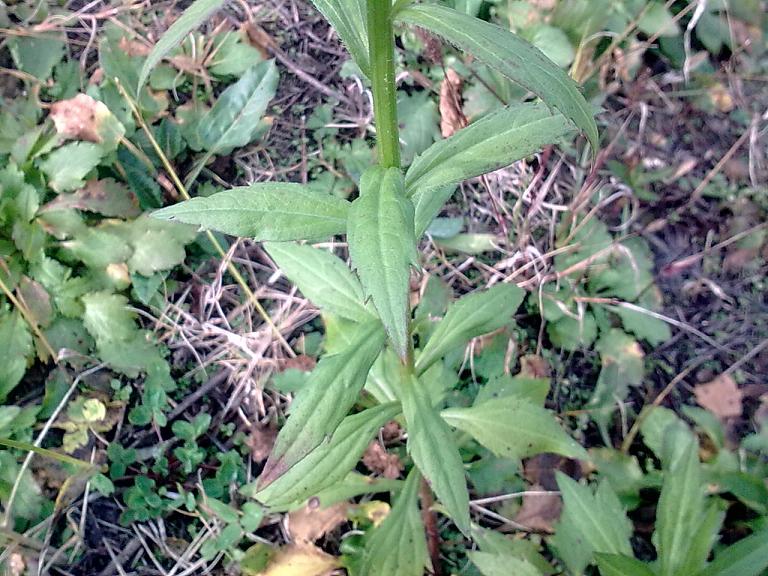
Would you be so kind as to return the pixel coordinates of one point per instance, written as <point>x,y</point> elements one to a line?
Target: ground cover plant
<point>483,387</point>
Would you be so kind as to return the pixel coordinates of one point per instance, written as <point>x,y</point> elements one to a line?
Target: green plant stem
<point>382,55</point>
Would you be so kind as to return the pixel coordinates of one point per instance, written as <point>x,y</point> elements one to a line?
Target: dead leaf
<point>391,431</point>
<point>539,512</point>
<point>107,197</point>
<point>540,470</point>
<point>721,396</point>
<point>301,560</point>
<point>533,366</point>
<point>301,362</point>
<point>259,38</point>
<point>376,511</point>
<point>721,98</point>
<point>433,47</point>
<point>36,300</point>
<point>134,47</point>
<point>311,523</point>
<point>261,440</point>
<point>452,118</point>
<point>83,118</point>
<point>377,459</point>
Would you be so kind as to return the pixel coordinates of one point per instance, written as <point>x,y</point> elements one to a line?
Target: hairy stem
<point>382,54</point>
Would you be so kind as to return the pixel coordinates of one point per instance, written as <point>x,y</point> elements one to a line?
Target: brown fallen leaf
<point>83,118</point>
<point>311,523</point>
<point>37,301</point>
<point>377,459</point>
<point>721,396</point>
<point>540,469</point>
<point>452,117</point>
<point>259,38</point>
<point>261,440</point>
<point>539,512</point>
<point>533,366</point>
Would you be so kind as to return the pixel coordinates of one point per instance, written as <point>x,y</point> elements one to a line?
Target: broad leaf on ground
<point>66,167</point>
<point>514,427</point>
<point>510,55</point>
<point>272,211</point>
<point>471,316</point>
<point>318,410</point>
<point>748,557</point>
<point>383,248</point>
<point>433,449</point>
<point>322,277</point>
<point>17,346</point>
<point>398,545</point>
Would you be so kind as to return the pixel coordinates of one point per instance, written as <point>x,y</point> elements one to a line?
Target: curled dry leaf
<point>377,459</point>
<point>261,440</point>
<point>452,117</point>
<point>534,366</point>
<point>311,523</point>
<point>721,396</point>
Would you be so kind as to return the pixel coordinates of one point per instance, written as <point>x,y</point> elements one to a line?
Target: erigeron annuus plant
<point>398,361</point>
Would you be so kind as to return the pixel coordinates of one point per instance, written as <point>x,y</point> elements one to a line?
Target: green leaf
<point>534,390</point>
<point>398,545</point>
<point>419,123</point>
<point>618,565</point>
<point>680,508</point>
<point>748,557</point>
<point>644,326</point>
<point>271,211</point>
<point>349,20</point>
<point>493,542</point>
<point>37,54</point>
<point>67,166</point>
<point>234,119</point>
<point>513,427</point>
<point>322,277</point>
<point>622,366</point>
<point>324,402</point>
<point>502,565</point>
<point>427,204</point>
<point>17,346</point>
<point>491,143</point>
<point>232,55</point>
<point>701,541</point>
<point>106,197</point>
<point>191,18</point>
<point>510,55</point>
<point>326,465</point>
<point>434,450</point>
<point>383,246</point>
<point>598,519</point>
<point>108,318</point>
<point>658,20</point>
<point>471,316</point>
<point>155,250</point>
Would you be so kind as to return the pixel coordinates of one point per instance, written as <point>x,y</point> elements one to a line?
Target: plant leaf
<point>680,506</point>
<point>599,519</point>
<point>491,143</point>
<point>514,427</point>
<point>471,316</point>
<point>502,565</point>
<point>233,121</point>
<point>271,211</point>
<point>197,13</point>
<point>398,545</point>
<point>66,167</point>
<point>331,391</point>
<point>748,557</point>
<point>17,345</point>
<point>328,464</point>
<point>433,449</point>
<point>512,56</point>
<point>322,277</point>
<point>349,19</point>
<point>427,204</point>
<point>383,246</point>
<point>618,565</point>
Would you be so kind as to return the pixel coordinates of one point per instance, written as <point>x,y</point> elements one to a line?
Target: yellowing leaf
<point>301,560</point>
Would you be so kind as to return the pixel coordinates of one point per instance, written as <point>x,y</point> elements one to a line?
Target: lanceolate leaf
<point>332,390</point>
<point>471,316</point>
<point>398,546</point>
<point>234,119</point>
<point>431,444</point>
<point>514,427</point>
<point>748,557</point>
<point>510,55</point>
<point>598,518</point>
<point>680,507</point>
<point>502,565</point>
<point>192,17</point>
<point>348,18</point>
<point>427,204</point>
<point>272,211</point>
<point>17,345</point>
<point>493,142</point>
<point>618,565</point>
<point>321,277</point>
<point>383,247</point>
<point>328,464</point>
